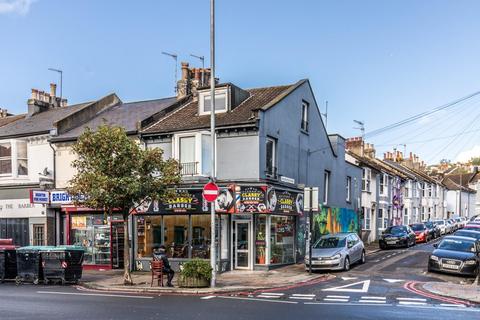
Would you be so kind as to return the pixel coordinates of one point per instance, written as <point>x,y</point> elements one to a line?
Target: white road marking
<point>412,299</point>
<point>350,304</point>
<point>393,280</point>
<point>346,288</point>
<point>273,293</point>
<point>335,299</point>
<point>374,298</point>
<point>94,294</point>
<point>261,300</point>
<point>349,278</point>
<point>371,301</point>
<point>341,297</point>
<point>303,295</point>
<point>413,303</point>
<point>453,305</point>
<point>376,260</point>
<point>268,297</point>
<point>207,297</point>
<point>301,298</point>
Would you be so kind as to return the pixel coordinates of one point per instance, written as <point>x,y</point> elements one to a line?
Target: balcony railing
<point>189,168</point>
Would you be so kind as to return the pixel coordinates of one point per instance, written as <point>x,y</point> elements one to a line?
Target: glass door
<point>242,245</point>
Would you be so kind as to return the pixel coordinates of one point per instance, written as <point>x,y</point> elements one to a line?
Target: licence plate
<point>320,262</point>
<point>391,242</point>
<point>450,266</point>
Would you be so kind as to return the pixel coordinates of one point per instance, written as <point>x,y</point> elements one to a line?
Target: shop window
<point>149,235</point>
<point>176,235</point>
<point>282,236</point>
<point>201,236</point>
<point>260,239</point>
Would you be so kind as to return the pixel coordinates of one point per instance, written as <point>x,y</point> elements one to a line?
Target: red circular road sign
<point>210,192</point>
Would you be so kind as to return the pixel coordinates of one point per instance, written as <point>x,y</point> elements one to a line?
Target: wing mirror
<point>349,244</point>
<point>435,245</point>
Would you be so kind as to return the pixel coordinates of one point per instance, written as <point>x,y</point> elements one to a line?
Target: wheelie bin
<point>29,264</point>
<point>63,264</point>
<point>8,262</point>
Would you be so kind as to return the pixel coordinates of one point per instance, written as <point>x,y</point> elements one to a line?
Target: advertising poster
<point>184,201</point>
<point>252,199</point>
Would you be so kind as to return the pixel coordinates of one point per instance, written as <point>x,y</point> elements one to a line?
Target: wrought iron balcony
<point>189,168</point>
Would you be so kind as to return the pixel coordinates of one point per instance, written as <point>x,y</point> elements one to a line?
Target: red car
<point>421,232</point>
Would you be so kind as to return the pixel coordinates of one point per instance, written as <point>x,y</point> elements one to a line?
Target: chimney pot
<point>53,90</point>
<point>185,70</point>
<point>197,73</point>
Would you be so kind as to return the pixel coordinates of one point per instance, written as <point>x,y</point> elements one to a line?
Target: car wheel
<point>346,264</point>
<point>363,258</point>
<point>382,246</point>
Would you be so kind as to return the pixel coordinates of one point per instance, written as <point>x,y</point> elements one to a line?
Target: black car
<point>397,236</point>
<point>433,229</point>
<point>454,254</point>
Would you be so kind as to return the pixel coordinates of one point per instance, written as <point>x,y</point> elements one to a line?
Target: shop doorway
<point>118,244</point>
<point>242,245</point>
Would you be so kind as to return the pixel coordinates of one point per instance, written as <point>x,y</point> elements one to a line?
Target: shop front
<point>256,227</point>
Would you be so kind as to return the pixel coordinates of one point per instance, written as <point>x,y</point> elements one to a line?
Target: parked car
<point>458,255</point>
<point>336,252</point>
<point>433,229</point>
<point>450,226</point>
<point>442,225</point>
<point>421,232</point>
<point>472,226</point>
<point>397,236</point>
<point>460,222</point>
<point>468,233</point>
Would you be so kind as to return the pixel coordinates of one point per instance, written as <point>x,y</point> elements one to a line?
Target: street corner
<point>456,293</point>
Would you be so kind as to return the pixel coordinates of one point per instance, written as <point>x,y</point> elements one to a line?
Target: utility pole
<point>61,80</point>
<point>202,59</point>
<point>213,251</point>
<point>175,57</point>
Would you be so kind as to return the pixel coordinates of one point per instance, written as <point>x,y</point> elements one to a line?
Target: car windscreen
<point>395,230</point>
<point>440,222</point>
<point>457,245</point>
<point>429,225</point>
<point>330,242</point>
<point>417,227</point>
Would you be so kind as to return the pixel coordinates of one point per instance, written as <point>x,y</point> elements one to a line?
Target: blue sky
<point>377,61</point>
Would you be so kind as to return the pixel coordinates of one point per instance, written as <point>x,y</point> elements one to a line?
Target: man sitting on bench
<point>159,254</point>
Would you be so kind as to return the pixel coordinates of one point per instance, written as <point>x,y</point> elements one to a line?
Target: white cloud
<point>466,155</point>
<point>15,6</point>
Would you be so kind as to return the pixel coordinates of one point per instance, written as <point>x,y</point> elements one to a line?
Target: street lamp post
<point>213,250</point>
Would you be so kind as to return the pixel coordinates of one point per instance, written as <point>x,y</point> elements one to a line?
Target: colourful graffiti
<point>334,220</point>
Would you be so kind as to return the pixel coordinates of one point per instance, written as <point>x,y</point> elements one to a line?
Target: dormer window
<point>221,101</point>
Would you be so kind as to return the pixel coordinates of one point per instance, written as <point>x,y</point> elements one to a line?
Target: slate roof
<point>9,119</point>
<point>378,165</point>
<point>125,115</point>
<point>186,117</point>
<point>40,123</point>
<point>452,185</point>
<point>463,179</point>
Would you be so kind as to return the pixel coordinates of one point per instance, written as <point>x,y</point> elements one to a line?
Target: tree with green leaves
<point>115,174</point>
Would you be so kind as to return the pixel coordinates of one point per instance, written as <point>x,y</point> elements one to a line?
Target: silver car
<point>336,252</point>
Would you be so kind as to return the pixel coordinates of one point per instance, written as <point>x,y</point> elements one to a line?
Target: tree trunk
<point>127,277</point>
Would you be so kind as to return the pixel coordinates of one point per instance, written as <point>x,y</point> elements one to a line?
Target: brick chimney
<point>41,101</point>
<point>192,79</point>
<point>369,150</point>
<point>3,113</point>
<point>355,145</point>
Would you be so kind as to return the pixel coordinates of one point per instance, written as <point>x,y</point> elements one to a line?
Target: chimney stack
<point>53,90</point>
<point>192,79</point>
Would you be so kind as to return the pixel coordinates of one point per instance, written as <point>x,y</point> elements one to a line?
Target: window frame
<point>349,189</point>
<point>326,186</point>
<point>366,179</point>
<point>198,149</point>
<point>8,158</point>
<point>272,174</point>
<point>305,111</point>
<point>14,158</point>
<point>218,92</point>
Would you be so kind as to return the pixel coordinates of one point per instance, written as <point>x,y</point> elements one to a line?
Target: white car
<point>442,225</point>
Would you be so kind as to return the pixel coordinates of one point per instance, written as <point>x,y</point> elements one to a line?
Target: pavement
<point>233,281</point>
<point>469,292</point>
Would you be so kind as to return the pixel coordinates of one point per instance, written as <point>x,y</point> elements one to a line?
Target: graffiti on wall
<point>334,220</point>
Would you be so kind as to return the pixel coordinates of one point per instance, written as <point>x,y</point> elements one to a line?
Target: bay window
<point>13,158</point>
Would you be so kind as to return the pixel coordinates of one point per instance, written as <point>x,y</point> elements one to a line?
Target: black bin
<point>62,264</point>
<point>29,264</point>
<point>8,264</point>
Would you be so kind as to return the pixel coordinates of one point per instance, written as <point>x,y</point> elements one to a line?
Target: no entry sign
<point>210,192</point>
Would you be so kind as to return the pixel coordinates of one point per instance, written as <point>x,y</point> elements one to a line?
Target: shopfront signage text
<point>63,197</point>
<point>38,196</point>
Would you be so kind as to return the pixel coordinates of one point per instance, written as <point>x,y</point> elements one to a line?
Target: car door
<point>358,247</point>
<point>354,248</point>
